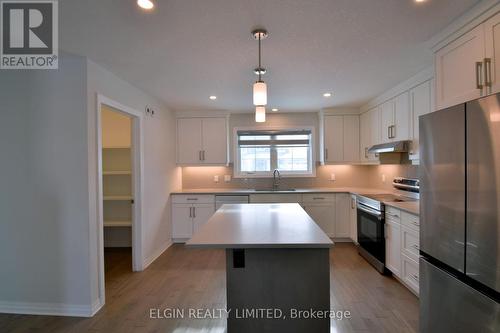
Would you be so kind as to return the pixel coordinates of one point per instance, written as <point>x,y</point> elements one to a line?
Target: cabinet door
<point>456,69</point>
<point>323,215</point>
<point>401,129</point>
<point>387,120</point>
<point>182,222</point>
<point>214,134</point>
<point>189,145</point>
<point>354,220</point>
<point>492,42</point>
<point>393,247</point>
<point>334,139</point>
<point>375,127</point>
<point>342,215</point>
<point>351,138</point>
<point>201,214</point>
<point>364,136</point>
<point>420,104</point>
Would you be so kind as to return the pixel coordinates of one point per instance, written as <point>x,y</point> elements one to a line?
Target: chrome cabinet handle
<point>416,223</point>
<point>416,247</point>
<point>415,277</point>
<point>389,132</point>
<point>194,212</point>
<point>326,154</point>
<point>479,79</point>
<point>366,152</point>
<point>393,131</point>
<point>318,198</point>
<point>203,155</point>
<point>192,199</point>
<point>199,155</point>
<point>190,211</point>
<point>487,72</point>
<point>393,215</point>
<point>353,203</point>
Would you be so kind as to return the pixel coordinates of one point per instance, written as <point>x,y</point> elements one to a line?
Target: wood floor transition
<point>186,278</point>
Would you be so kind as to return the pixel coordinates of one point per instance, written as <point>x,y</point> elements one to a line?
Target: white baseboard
<point>49,309</point>
<point>156,254</point>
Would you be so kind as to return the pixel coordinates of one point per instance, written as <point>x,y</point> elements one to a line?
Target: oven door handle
<point>370,211</point>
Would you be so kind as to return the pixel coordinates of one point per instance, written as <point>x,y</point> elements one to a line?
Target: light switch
<point>216,179</point>
<point>333,177</point>
<point>227,178</point>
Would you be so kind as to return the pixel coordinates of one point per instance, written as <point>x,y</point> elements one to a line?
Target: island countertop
<point>260,226</point>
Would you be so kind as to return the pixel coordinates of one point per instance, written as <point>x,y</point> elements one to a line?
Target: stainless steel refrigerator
<point>460,218</point>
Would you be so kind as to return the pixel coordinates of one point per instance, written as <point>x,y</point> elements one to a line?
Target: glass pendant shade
<point>259,93</point>
<point>260,114</point>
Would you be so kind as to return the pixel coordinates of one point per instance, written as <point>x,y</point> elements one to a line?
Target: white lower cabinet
<point>342,215</point>
<point>393,246</point>
<point>354,219</point>
<point>321,208</point>
<point>189,213</point>
<point>402,246</point>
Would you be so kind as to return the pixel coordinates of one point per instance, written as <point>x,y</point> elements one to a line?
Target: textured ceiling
<point>186,50</point>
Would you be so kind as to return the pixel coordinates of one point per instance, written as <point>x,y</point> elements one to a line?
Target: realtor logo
<point>29,34</point>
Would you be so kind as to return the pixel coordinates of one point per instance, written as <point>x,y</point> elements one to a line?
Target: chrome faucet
<point>276,182</point>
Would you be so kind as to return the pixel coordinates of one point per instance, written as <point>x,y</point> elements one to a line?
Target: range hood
<point>391,147</point>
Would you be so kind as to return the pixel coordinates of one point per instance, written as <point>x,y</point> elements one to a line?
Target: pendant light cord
<point>260,67</point>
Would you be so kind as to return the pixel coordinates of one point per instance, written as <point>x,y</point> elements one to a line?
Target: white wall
<point>44,233</point>
<point>161,175</point>
<point>48,184</point>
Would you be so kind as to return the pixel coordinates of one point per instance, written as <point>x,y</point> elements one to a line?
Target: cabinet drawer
<point>392,213</point>
<point>193,198</point>
<point>318,197</point>
<point>410,273</point>
<point>410,221</point>
<point>410,244</point>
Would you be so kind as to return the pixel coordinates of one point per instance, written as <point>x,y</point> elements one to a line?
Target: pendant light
<point>260,87</point>
<point>260,114</point>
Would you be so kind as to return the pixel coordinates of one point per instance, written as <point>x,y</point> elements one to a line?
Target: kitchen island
<point>277,265</point>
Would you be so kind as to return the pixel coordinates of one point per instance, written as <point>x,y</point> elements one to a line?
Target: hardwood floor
<point>187,278</point>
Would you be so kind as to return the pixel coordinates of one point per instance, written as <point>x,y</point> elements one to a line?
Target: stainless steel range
<point>371,219</point>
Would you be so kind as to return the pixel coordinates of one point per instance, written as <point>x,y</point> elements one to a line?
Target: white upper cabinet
<point>334,139</point>
<point>351,138</point>
<point>460,68</point>
<point>341,139</point>
<point>387,120</point>
<point>189,141</point>
<point>201,141</point>
<point>376,135</point>
<point>492,41</point>
<point>395,119</point>
<point>402,119</point>
<point>420,104</point>
<point>364,136</point>
<point>214,134</point>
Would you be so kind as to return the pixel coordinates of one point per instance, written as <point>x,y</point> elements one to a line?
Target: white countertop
<point>353,190</point>
<point>260,226</point>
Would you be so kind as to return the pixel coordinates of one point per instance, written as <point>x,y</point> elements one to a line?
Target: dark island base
<point>266,287</point>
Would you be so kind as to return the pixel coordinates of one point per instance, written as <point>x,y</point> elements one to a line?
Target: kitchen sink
<point>273,190</point>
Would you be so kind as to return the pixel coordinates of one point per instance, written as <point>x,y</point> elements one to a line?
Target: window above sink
<point>258,152</point>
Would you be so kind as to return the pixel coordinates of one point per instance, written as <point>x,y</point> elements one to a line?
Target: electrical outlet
<point>383,178</point>
<point>216,179</point>
<point>333,177</point>
<point>227,178</point>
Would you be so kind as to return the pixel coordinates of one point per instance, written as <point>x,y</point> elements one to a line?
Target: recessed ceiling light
<point>327,95</point>
<point>274,110</point>
<point>420,0</point>
<point>145,4</point>
<point>213,97</point>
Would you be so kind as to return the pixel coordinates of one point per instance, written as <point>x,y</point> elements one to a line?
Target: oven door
<point>371,235</point>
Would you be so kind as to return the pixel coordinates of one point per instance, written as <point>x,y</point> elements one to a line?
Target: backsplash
<point>345,176</point>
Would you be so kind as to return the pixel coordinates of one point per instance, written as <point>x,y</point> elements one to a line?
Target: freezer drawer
<point>449,305</point>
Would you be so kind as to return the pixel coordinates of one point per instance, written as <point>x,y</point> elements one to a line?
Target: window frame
<point>237,173</point>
